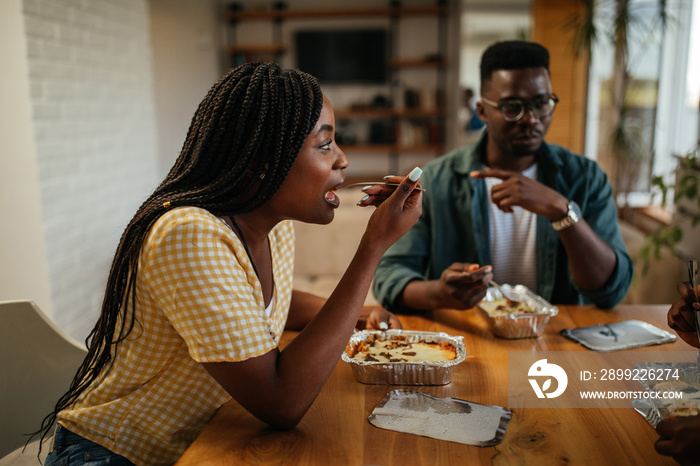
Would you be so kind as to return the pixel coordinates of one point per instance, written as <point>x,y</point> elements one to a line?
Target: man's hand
<point>591,260</point>
<point>380,319</point>
<point>462,286</point>
<point>519,190</point>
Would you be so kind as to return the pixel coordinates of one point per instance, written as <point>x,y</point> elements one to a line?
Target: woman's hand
<point>679,437</point>
<point>375,194</point>
<point>397,211</point>
<point>681,315</point>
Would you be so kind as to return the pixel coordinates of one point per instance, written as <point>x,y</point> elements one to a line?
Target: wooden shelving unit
<point>390,148</point>
<point>255,48</point>
<point>388,113</point>
<point>417,63</point>
<point>427,120</point>
<point>267,15</point>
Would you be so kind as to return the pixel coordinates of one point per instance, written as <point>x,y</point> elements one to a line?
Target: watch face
<point>571,214</point>
<point>577,210</point>
<point>572,217</point>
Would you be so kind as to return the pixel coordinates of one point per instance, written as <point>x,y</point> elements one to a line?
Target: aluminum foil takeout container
<point>512,326</point>
<point>656,408</point>
<point>406,373</point>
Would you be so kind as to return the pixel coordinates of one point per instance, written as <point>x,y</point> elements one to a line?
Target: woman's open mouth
<point>332,198</point>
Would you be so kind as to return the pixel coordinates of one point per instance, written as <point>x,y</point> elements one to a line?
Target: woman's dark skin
<point>681,315</point>
<point>280,386</point>
<point>679,436</point>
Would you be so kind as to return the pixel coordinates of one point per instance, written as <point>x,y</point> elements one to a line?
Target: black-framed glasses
<point>514,109</point>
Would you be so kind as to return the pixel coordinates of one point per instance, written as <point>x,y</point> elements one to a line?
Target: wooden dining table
<point>336,429</point>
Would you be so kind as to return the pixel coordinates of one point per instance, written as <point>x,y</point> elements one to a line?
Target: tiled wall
<point>93,112</point>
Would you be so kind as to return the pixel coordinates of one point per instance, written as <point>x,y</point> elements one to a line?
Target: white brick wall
<point>93,108</point>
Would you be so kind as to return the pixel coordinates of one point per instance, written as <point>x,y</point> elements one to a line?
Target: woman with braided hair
<point>200,289</point>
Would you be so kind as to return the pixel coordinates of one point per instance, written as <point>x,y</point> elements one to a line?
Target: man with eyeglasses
<point>510,207</point>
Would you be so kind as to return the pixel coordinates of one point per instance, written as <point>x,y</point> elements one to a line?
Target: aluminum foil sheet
<point>654,409</point>
<point>647,410</point>
<point>448,419</point>
<point>406,373</point>
<point>515,326</point>
<point>618,336</point>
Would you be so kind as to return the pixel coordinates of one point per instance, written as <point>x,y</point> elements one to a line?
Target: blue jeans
<point>71,449</point>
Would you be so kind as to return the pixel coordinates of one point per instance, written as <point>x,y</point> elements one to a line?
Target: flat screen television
<point>343,56</point>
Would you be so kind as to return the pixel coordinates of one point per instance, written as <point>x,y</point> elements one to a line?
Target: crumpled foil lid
<point>448,419</point>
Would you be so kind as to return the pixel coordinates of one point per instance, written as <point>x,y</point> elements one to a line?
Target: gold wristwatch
<point>573,215</point>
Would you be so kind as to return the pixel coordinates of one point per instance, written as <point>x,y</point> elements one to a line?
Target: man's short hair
<point>513,55</point>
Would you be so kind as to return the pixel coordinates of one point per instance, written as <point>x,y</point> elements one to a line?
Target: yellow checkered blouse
<point>199,300</point>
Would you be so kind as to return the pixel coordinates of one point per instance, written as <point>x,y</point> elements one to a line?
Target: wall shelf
<point>255,48</point>
<point>266,15</point>
<point>416,125</point>
<point>417,63</point>
<point>388,113</point>
<point>391,148</point>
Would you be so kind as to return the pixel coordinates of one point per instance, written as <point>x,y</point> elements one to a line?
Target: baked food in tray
<point>405,369</point>
<point>505,307</point>
<point>400,348</point>
<point>526,320</point>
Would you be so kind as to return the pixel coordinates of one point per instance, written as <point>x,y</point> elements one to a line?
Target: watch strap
<point>572,217</point>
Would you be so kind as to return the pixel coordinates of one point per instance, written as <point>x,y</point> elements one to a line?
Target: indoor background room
<point>98,96</point>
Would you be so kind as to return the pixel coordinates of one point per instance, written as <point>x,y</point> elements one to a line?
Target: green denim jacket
<point>454,227</point>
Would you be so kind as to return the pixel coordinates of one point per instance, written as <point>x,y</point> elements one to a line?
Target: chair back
<point>37,364</point>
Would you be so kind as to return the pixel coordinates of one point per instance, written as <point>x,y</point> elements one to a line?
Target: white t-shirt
<point>513,252</point>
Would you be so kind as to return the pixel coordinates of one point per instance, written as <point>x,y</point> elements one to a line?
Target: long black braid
<point>241,144</point>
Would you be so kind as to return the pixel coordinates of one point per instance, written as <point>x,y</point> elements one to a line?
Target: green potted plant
<point>686,216</point>
<point>621,23</point>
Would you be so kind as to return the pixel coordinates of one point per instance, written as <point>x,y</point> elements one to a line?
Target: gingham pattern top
<point>198,300</point>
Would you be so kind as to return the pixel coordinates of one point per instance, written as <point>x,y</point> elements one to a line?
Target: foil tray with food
<point>525,318</point>
<point>660,378</point>
<point>404,357</point>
